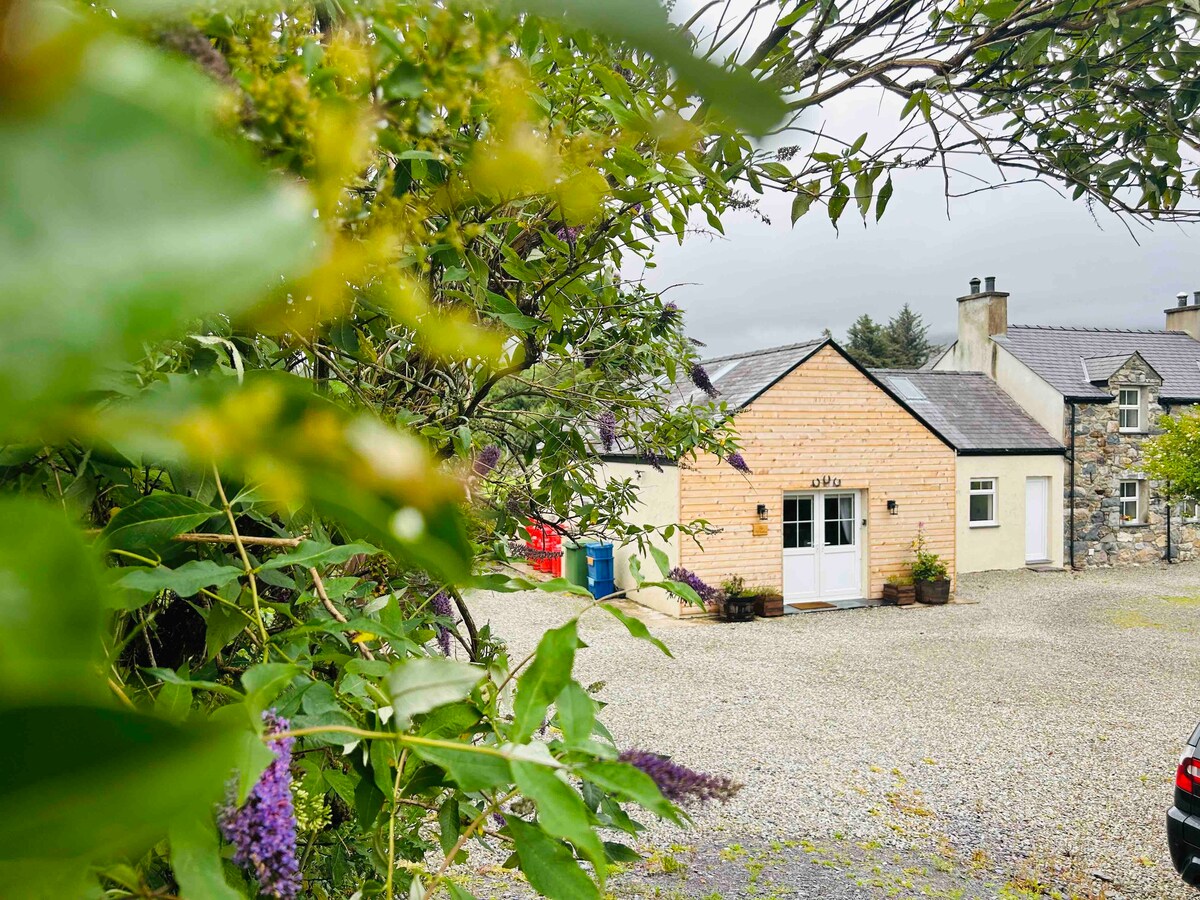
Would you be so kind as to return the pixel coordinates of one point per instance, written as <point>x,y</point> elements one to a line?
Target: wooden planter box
<point>936,592</point>
<point>900,594</point>
<point>769,605</point>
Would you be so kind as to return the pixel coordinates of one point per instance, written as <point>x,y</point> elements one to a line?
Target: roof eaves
<point>1013,451</point>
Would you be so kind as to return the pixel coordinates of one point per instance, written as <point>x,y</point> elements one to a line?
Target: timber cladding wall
<point>824,418</point>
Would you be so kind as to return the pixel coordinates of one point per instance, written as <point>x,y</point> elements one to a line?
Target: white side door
<point>840,565</point>
<point>800,580</point>
<point>1037,519</point>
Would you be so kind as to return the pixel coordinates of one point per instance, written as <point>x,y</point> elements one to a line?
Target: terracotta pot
<point>934,592</point>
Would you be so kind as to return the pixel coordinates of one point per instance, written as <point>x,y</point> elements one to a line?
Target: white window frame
<point>1136,407</point>
<point>992,492</point>
<point>1122,500</point>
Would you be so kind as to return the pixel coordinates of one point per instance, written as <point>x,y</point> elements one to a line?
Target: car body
<point>1183,819</point>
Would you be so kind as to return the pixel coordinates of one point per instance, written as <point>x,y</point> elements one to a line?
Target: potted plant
<point>900,590</point>
<point>929,572</point>
<point>739,604</point>
<point>768,600</point>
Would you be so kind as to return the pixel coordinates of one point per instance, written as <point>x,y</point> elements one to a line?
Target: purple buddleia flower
<point>701,380</point>
<point>568,233</point>
<point>692,580</point>
<point>736,460</point>
<point>607,425</point>
<point>679,784</point>
<point>486,460</point>
<point>440,603</point>
<point>263,830</point>
<point>669,315</point>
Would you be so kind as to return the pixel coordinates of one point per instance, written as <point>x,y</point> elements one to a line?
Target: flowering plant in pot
<point>739,602</point>
<point>929,571</point>
<point>768,600</point>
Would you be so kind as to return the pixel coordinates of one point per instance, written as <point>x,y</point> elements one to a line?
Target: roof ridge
<point>1099,329</point>
<point>750,353</point>
<point>883,371</point>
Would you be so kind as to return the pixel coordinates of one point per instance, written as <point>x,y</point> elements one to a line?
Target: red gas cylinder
<point>554,547</point>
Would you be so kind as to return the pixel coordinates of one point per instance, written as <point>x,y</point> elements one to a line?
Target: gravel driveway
<point>1015,744</point>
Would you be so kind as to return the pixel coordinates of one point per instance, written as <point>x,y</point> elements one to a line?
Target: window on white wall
<point>1131,502</point>
<point>983,502</point>
<point>1129,411</point>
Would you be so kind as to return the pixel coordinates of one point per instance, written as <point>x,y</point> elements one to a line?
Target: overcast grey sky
<point>763,285</point>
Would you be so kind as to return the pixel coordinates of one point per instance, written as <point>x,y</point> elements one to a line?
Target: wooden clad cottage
<point>843,472</point>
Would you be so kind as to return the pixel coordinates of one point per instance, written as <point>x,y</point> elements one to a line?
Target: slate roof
<point>966,409</point>
<point>1064,356</point>
<point>969,410</point>
<point>741,377</point>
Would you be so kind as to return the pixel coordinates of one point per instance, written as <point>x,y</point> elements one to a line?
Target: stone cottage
<point>1103,390</point>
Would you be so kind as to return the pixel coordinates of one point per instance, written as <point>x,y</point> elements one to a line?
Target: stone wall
<point>1104,456</point>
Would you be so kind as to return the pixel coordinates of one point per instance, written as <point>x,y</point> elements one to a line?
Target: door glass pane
<point>797,523</point>
<point>846,507</point>
<point>831,532</point>
<point>847,532</point>
<point>831,507</point>
<point>806,529</point>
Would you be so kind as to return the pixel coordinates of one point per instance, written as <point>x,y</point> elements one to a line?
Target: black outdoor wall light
<point>762,512</point>
<point>893,507</point>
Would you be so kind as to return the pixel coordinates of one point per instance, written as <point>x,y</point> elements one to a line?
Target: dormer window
<point>1129,409</point>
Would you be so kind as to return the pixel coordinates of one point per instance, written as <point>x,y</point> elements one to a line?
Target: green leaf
<point>735,93</point>
<point>51,597</point>
<point>449,824</point>
<point>800,204</point>
<point>636,627</point>
<point>561,811</point>
<point>457,893</point>
<point>319,553</point>
<point>263,682</point>
<point>196,861</point>
<point>221,625</point>
<point>424,683</point>
<point>186,580</point>
<point>544,680</point>
<point>508,313</point>
<point>549,864</point>
<point>661,560</point>
<point>629,783</point>
<point>576,713</point>
<point>89,782</point>
<point>118,203</point>
<point>881,202</point>
<point>470,767</point>
<point>169,676</point>
<point>151,522</point>
<point>862,193</point>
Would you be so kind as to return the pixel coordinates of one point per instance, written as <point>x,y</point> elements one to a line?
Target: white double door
<point>822,546</point>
